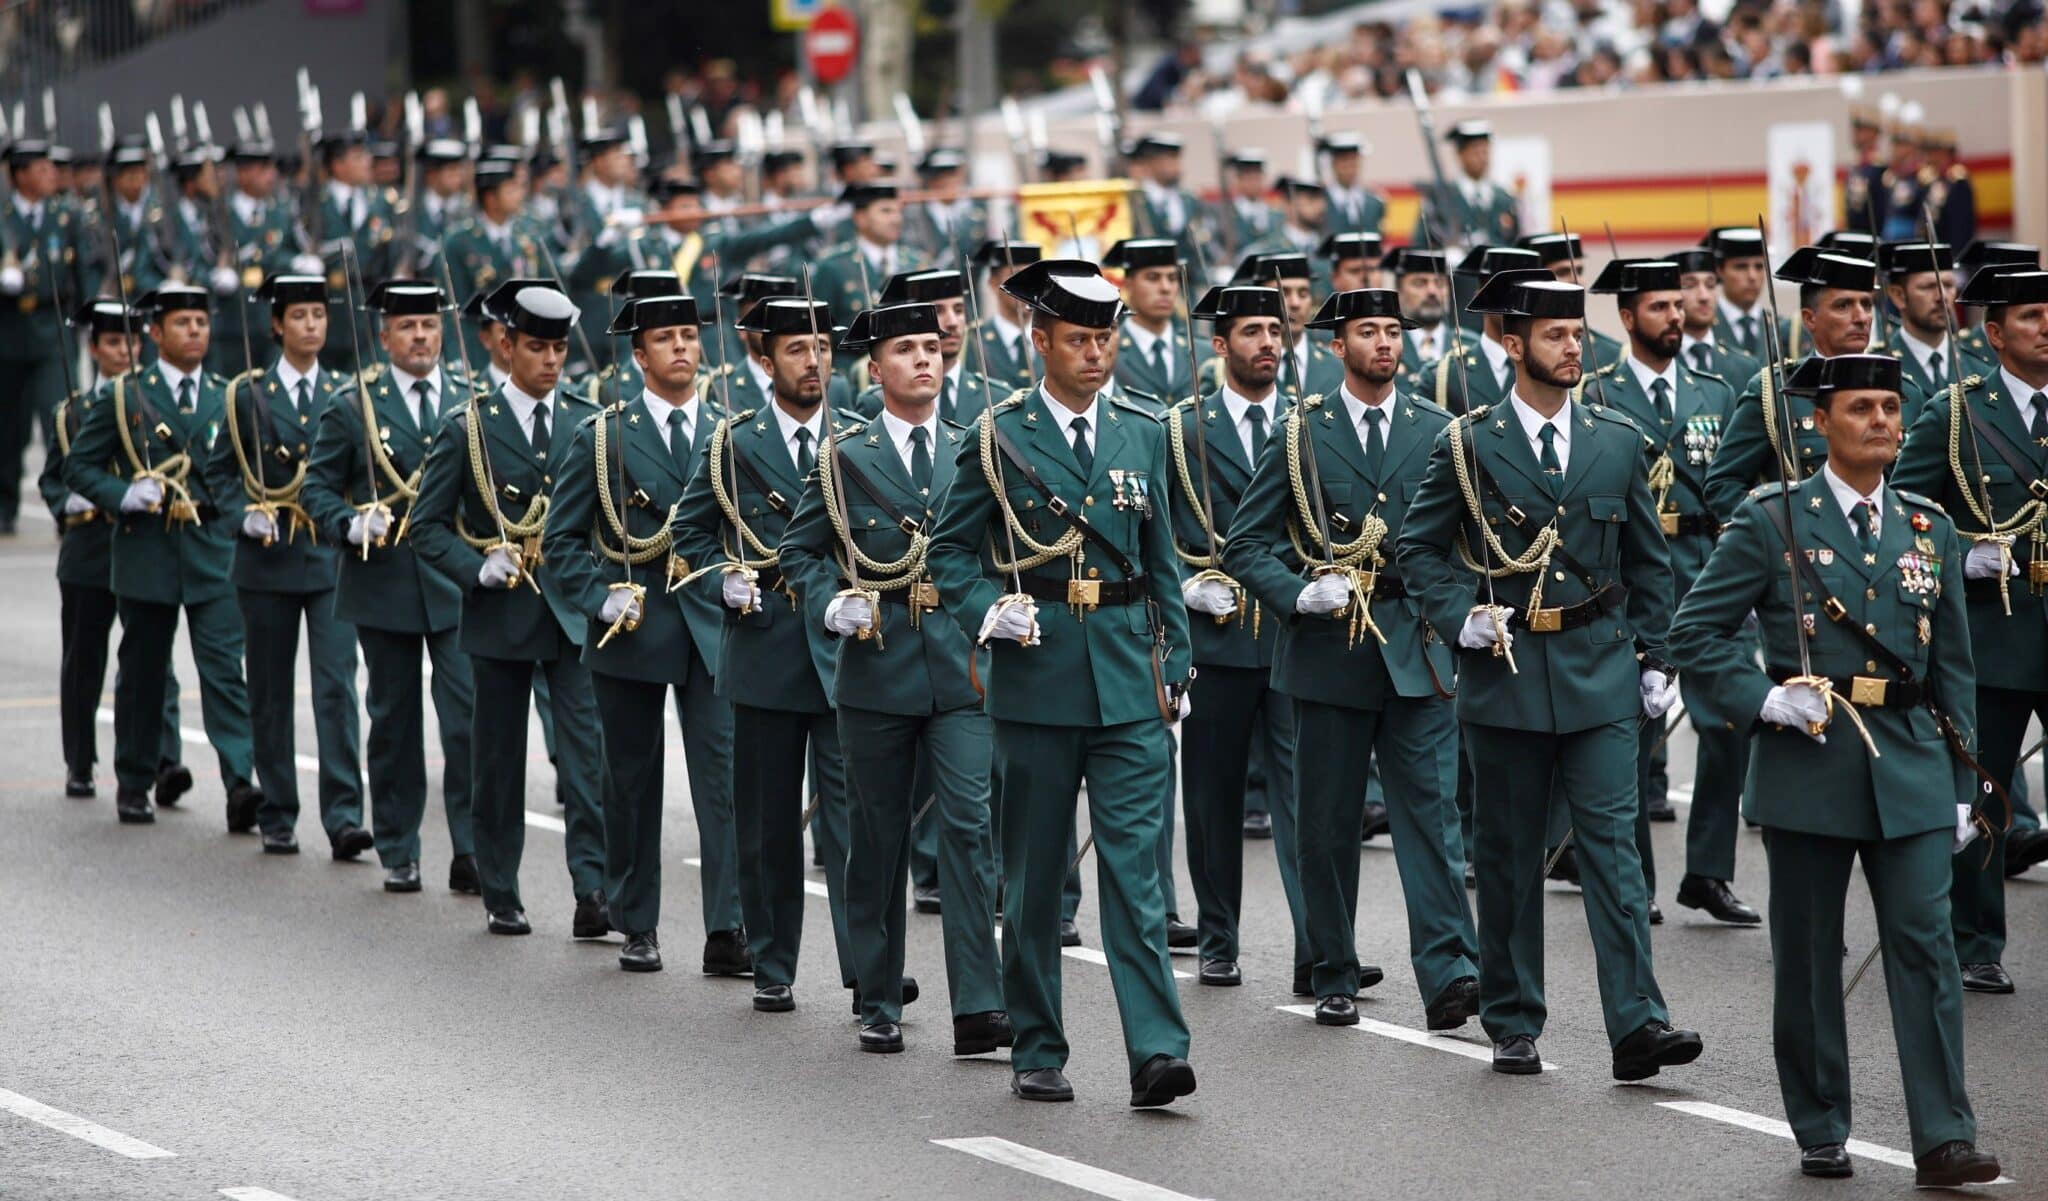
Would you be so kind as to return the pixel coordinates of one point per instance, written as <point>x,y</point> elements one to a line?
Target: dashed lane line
<point>1070,1172</point>
<point>1778,1129</point>
<point>80,1128</point>
<point>1415,1038</point>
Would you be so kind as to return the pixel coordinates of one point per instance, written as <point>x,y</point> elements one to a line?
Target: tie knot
<point>918,436</point>
<point>1548,433</point>
<point>1079,425</point>
<point>1373,417</point>
<point>675,418</point>
<point>803,435</point>
<point>420,388</point>
<point>1660,386</point>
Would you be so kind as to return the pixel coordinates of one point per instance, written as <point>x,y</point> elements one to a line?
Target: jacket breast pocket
<point>1608,514</point>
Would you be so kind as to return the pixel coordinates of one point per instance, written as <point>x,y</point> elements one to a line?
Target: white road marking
<point>1416,1038</point>
<point>194,737</point>
<point>1776,1128</point>
<point>1072,1173</point>
<point>248,1193</point>
<point>1091,955</point>
<point>812,887</point>
<point>77,1127</point>
<point>542,821</point>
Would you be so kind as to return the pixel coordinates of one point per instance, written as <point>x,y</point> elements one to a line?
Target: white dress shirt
<point>899,436</point>
<point>524,407</point>
<point>1428,343</point>
<point>2022,394</point>
<point>1848,498</point>
<point>174,377</point>
<point>1144,340</point>
<point>403,381</point>
<point>1533,423</point>
<point>659,409</point>
<point>1645,377</point>
<point>790,425</point>
<point>1240,410</point>
<point>1921,351</point>
<point>288,378</point>
<point>1064,418</point>
<point>1012,335</point>
<point>1358,409</point>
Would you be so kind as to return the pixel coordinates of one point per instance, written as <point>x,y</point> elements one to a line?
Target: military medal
<point>1925,630</point>
<point>1826,556</point>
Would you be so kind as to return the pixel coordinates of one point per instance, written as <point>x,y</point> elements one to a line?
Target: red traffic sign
<point>831,43</point>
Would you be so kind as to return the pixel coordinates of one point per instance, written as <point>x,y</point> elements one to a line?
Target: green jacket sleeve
<point>967,520</point>
<point>1646,566</point>
<point>222,472</point>
<point>807,549</point>
<point>698,520</point>
<point>1743,456</point>
<point>1424,550</point>
<point>337,437</point>
<point>1162,575</point>
<point>1707,641</point>
<point>97,444</point>
<point>1923,462</point>
<point>433,512</point>
<point>572,513</point>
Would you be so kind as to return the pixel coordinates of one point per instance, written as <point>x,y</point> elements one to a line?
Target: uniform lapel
<point>1511,446</point>
<point>651,441</point>
<point>772,455</point>
<point>1109,439</point>
<point>1403,439</point>
<point>1049,433</point>
<point>501,421</point>
<point>1826,528</point>
<point>2008,416</point>
<point>1588,446</point>
<point>1336,434</point>
<point>1221,436</point>
<point>1894,538</point>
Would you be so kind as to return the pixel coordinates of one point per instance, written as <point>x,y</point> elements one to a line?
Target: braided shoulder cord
<point>529,524</point>
<point>636,550</point>
<point>1535,559</point>
<point>2026,521</point>
<point>1178,449</point>
<point>729,505</point>
<point>1067,545</point>
<point>284,498</point>
<point>171,473</point>
<point>405,488</point>
<point>1343,554</point>
<point>901,573</point>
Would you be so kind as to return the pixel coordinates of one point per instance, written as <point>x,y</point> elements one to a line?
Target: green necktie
<point>1702,357</point>
<point>1159,363</point>
<point>422,403</point>
<point>2039,427</point>
<point>1082,454</point>
<point>1256,414</point>
<point>806,459</point>
<point>186,404</point>
<point>1936,370</point>
<point>679,441</point>
<point>303,401</point>
<point>540,430</point>
<point>921,459</point>
<point>1864,518</point>
<point>1376,444</point>
<point>1551,464</point>
<point>1660,395</point>
<point>1748,335</point>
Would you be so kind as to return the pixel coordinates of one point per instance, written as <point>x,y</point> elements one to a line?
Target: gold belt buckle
<point>1546,621</point>
<point>2037,572</point>
<point>1867,693</point>
<point>1084,593</point>
<point>1670,523</point>
<point>924,594</point>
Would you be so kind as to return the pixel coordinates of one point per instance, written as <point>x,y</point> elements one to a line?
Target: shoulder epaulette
<point>1013,399</point>
<point>1609,369</point>
<point>1607,414</point>
<point>617,406</point>
<point>951,424</point>
<point>741,417</point>
<point>1311,402</point>
<point>1432,407</point>
<point>1130,400</point>
<point>1920,500</point>
<point>1478,414</point>
<point>1771,489</point>
<point>850,429</point>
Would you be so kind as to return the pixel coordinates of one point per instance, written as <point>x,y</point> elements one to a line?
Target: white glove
<point>12,281</point>
<point>258,526</point>
<point>376,523</point>
<point>827,218</point>
<point>1185,706</point>
<point>1966,830</point>
<point>1213,597</point>
<point>626,219</point>
<point>223,279</point>
<point>617,603</point>
<point>499,569</point>
<point>1480,633</point>
<point>1659,693</point>
<point>847,616</point>
<point>1798,706</point>
<point>740,592</point>
<point>1325,594</point>
<point>1016,622</point>
<point>1982,562</point>
<point>308,264</point>
<point>357,531</point>
<point>143,496</point>
<point>75,504</point>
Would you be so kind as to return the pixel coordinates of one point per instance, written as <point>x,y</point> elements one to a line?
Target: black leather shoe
<point>910,994</point>
<point>1376,822</point>
<point>1566,869</point>
<point>926,899</point>
<point>1656,913</point>
<point>1302,986</point>
<point>352,841</point>
<point>403,878</point>
<point>1221,973</point>
<point>1070,934</point>
<point>1336,1010</point>
<point>1954,1164</point>
<point>1660,810</point>
<point>642,953</point>
<point>774,998</point>
<point>1655,1046</point>
<point>1162,1079</point>
<point>284,842</point>
<point>982,1033</point>
<point>1829,1161</point>
<point>1986,977</point>
<point>1369,974</point>
<point>173,780</point>
<point>1042,1084</point>
<point>79,784</point>
<point>462,876</point>
<point>882,1038</point>
<point>726,954</point>
<point>509,921</point>
<point>1457,1004</point>
<point>593,919</point>
<point>1516,1055</point>
<point>133,808</point>
<point>1258,824</point>
<point>1715,899</point>
<point>1179,935</point>
<point>2024,849</point>
<point>243,801</point>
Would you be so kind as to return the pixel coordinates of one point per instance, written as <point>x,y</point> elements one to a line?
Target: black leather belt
<point>924,593</point>
<point>1570,617</point>
<point>1676,524</point>
<point>1388,587</point>
<point>1866,692</point>
<point>1091,593</point>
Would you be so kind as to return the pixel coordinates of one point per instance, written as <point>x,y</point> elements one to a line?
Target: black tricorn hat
<point>1469,131</point>
<point>643,313</point>
<point>107,317</point>
<point>1238,300</point>
<point>750,286</point>
<point>170,298</point>
<point>1812,266</point>
<point>1845,373</point>
<point>1415,260</point>
<point>861,195</point>
<point>1489,261</point>
<point>1735,242</point>
<point>283,290</point>
<point>1007,254</point>
<point>1552,247</point>
<point>1357,303</point>
<point>1133,254</point>
<point>2005,254</point>
<point>537,310</point>
<point>1070,290</point>
<point>1623,276</point>
<point>1288,185</point>
<point>406,298</point>
<point>635,283</point>
<point>1694,258</point>
<point>2006,284</point>
<point>914,287</point>
<point>1852,242</point>
<point>1533,292</point>
<point>871,326</point>
<point>789,315</point>
<point>1264,268</point>
<point>1151,144</point>
<point>845,154</point>
<point>1897,259</point>
<point>1342,247</point>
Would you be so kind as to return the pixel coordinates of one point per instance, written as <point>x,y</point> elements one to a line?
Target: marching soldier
<point>1540,486</point>
<point>1950,193</point>
<point>1704,346</point>
<point>1313,371</point>
<point>1862,192</point>
<point>1164,208</point>
<point>133,456</point>
<point>716,166</point>
<point>42,271</point>
<point>604,207</point>
<point>1916,281</point>
<point>1303,204</point>
<point>1744,272</point>
<point>621,379</point>
<point>358,225</point>
<point>1245,216</point>
<point>267,242</point>
<point>850,275</point>
<point>648,629</point>
<point>137,212</point>
<point>773,666</point>
<point>1003,318</point>
<point>1471,210</point>
<point>745,383</point>
<point>1353,207</point>
<point>1486,377</point>
<point>1366,677</point>
<point>482,504</point>
<point>1084,688</point>
<point>1889,649</point>
<point>963,392</point>
<point>369,456</point>
<point>1348,260</point>
<point>909,716</point>
<point>947,227</point>
<point>443,199</point>
<point>284,578</point>
<point>497,244</point>
<point>1423,282</point>
<point>1153,356</point>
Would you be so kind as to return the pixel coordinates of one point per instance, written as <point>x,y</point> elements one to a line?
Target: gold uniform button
<point>1870,665</point>
<point>1870,628</point>
<point>1093,572</point>
<point>1383,496</point>
<point>547,479</point>
<point>1087,500</point>
<point>1560,577</point>
<point>1870,594</point>
<point>871,521</point>
<point>1560,510</point>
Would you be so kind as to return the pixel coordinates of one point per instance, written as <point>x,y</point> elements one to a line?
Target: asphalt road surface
<point>184,1017</point>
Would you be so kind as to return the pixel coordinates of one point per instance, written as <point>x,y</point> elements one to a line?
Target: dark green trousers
<point>924,847</point>
<point>397,748</point>
<point>1415,743</point>
<point>1595,774</point>
<point>271,622</point>
<point>30,390</point>
<point>86,619</point>
<point>882,756</point>
<point>143,679</point>
<point>1234,713</point>
<point>1978,898</point>
<point>1128,768</point>
<point>1070,889</point>
<point>497,772</point>
<point>1909,883</point>
<point>1560,817</point>
<point>770,749</point>
<point>1715,816</point>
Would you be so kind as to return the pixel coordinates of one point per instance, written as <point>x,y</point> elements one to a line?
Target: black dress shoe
<point>1660,810</point>
<point>1656,913</point>
<point>352,841</point>
<point>910,994</point>
<point>403,878</point>
<point>774,998</point>
<point>1954,1164</point>
<point>243,801</point>
<point>1566,869</point>
<point>173,780</point>
<point>283,842</point>
<point>1179,935</point>
<point>726,954</point>
<point>982,1033</point>
<point>1655,1046</point>
<point>509,921</point>
<point>882,1038</point>
<point>133,808</point>
<point>1376,822</point>
<point>2024,849</point>
<point>1302,986</point>
<point>593,919</point>
<point>1258,824</point>
<point>1336,1010</point>
<point>1221,973</point>
<point>1516,1055</point>
<point>925,899</point>
<point>1163,1078</point>
<point>79,784</point>
<point>1829,1161</point>
<point>1457,1004</point>
<point>1715,899</point>
<point>1042,1084</point>
<point>1986,977</point>
<point>642,953</point>
<point>462,876</point>
<point>1070,934</point>
<point>1369,974</point>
